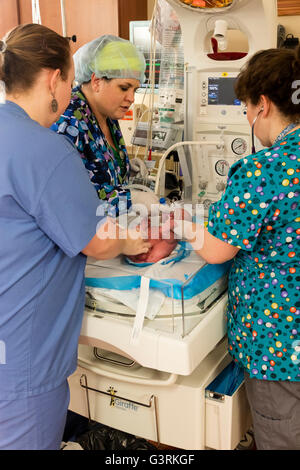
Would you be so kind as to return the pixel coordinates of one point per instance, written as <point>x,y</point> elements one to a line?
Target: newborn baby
<point>161,247</point>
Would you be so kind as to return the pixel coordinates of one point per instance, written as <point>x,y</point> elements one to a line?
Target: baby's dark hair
<point>26,50</point>
<point>274,73</point>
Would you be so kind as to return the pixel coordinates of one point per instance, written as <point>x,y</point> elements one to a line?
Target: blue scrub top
<point>47,216</point>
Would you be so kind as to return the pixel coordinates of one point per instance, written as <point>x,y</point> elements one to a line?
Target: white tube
<point>173,147</point>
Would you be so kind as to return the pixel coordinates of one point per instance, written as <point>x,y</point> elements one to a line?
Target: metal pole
<point>63,18</point>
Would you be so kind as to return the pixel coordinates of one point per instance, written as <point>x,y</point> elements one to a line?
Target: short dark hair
<point>26,50</point>
<point>271,72</point>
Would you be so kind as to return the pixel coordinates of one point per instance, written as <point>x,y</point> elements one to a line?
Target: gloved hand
<point>138,168</point>
<point>146,198</point>
<point>189,231</point>
<point>185,229</point>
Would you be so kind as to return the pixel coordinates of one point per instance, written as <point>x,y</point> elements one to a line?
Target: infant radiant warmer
<point>156,313</point>
<point>152,341</point>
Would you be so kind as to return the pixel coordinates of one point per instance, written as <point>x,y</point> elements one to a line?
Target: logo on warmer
<point>112,393</point>
<point>120,403</point>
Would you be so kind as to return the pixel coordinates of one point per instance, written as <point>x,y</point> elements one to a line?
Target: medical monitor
<point>140,36</point>
<point>221,91</point>
<point>216,98</point>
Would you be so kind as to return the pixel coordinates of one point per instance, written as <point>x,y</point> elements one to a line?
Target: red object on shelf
<point>215,55</point>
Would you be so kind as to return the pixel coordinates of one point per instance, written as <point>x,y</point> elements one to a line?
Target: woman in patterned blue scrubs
<point>259,214</point>
<point>108,70</point>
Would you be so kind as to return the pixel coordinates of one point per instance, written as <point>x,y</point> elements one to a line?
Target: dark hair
<point>26,50</point>
<point>271,73</point>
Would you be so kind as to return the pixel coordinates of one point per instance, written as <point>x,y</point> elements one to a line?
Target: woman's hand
<point>111,240</point>
<point>134,244</point>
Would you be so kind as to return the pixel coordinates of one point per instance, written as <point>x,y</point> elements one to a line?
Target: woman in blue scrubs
<point>46,230</point>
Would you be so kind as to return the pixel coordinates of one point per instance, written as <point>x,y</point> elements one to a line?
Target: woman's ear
<point>265,105</point>
<point>95,83</point>
<point>54,76</point>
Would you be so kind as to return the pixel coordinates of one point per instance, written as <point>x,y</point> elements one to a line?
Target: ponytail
<point>26,50</point>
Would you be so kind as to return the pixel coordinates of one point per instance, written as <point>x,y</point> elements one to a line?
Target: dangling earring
<point>54,105</point>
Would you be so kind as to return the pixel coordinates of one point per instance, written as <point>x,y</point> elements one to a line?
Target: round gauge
<point>222,167</point>
<point>239,146</point>
<point>207,203</point>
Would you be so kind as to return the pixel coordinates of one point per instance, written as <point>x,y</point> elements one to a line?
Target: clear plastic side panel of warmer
<point>129,294</point>
<point>200,291</point>
<point>172,297</point>
<point>112,289</point>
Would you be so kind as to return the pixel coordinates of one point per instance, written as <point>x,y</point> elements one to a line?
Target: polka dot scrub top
<point>260,213</point>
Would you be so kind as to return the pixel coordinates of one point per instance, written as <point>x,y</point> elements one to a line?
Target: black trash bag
<point>101,437</point>
<point>75,426</point>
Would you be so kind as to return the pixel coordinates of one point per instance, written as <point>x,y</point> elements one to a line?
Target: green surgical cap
<point>111,57</point>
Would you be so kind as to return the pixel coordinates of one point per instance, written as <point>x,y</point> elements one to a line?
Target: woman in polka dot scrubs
<point>259,215</point>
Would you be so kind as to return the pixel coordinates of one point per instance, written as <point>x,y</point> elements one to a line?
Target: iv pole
<point>63,18</point>
<point>36,13</point>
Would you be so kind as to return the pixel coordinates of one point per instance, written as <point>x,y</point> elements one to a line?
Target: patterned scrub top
<point>106,172</point>
<point>259,213</point>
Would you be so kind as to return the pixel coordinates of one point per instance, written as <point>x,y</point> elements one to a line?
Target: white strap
<point>141,310</point>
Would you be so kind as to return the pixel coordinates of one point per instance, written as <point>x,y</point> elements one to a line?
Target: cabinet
<point>87,20</point>
<point>288,7</point>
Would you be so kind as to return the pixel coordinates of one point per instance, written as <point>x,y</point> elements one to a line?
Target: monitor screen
<point>140,36</point>
<point>221,91</point>
<point>147,72</point>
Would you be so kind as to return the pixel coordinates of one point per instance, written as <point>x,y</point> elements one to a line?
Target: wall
<point>291,24</point>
